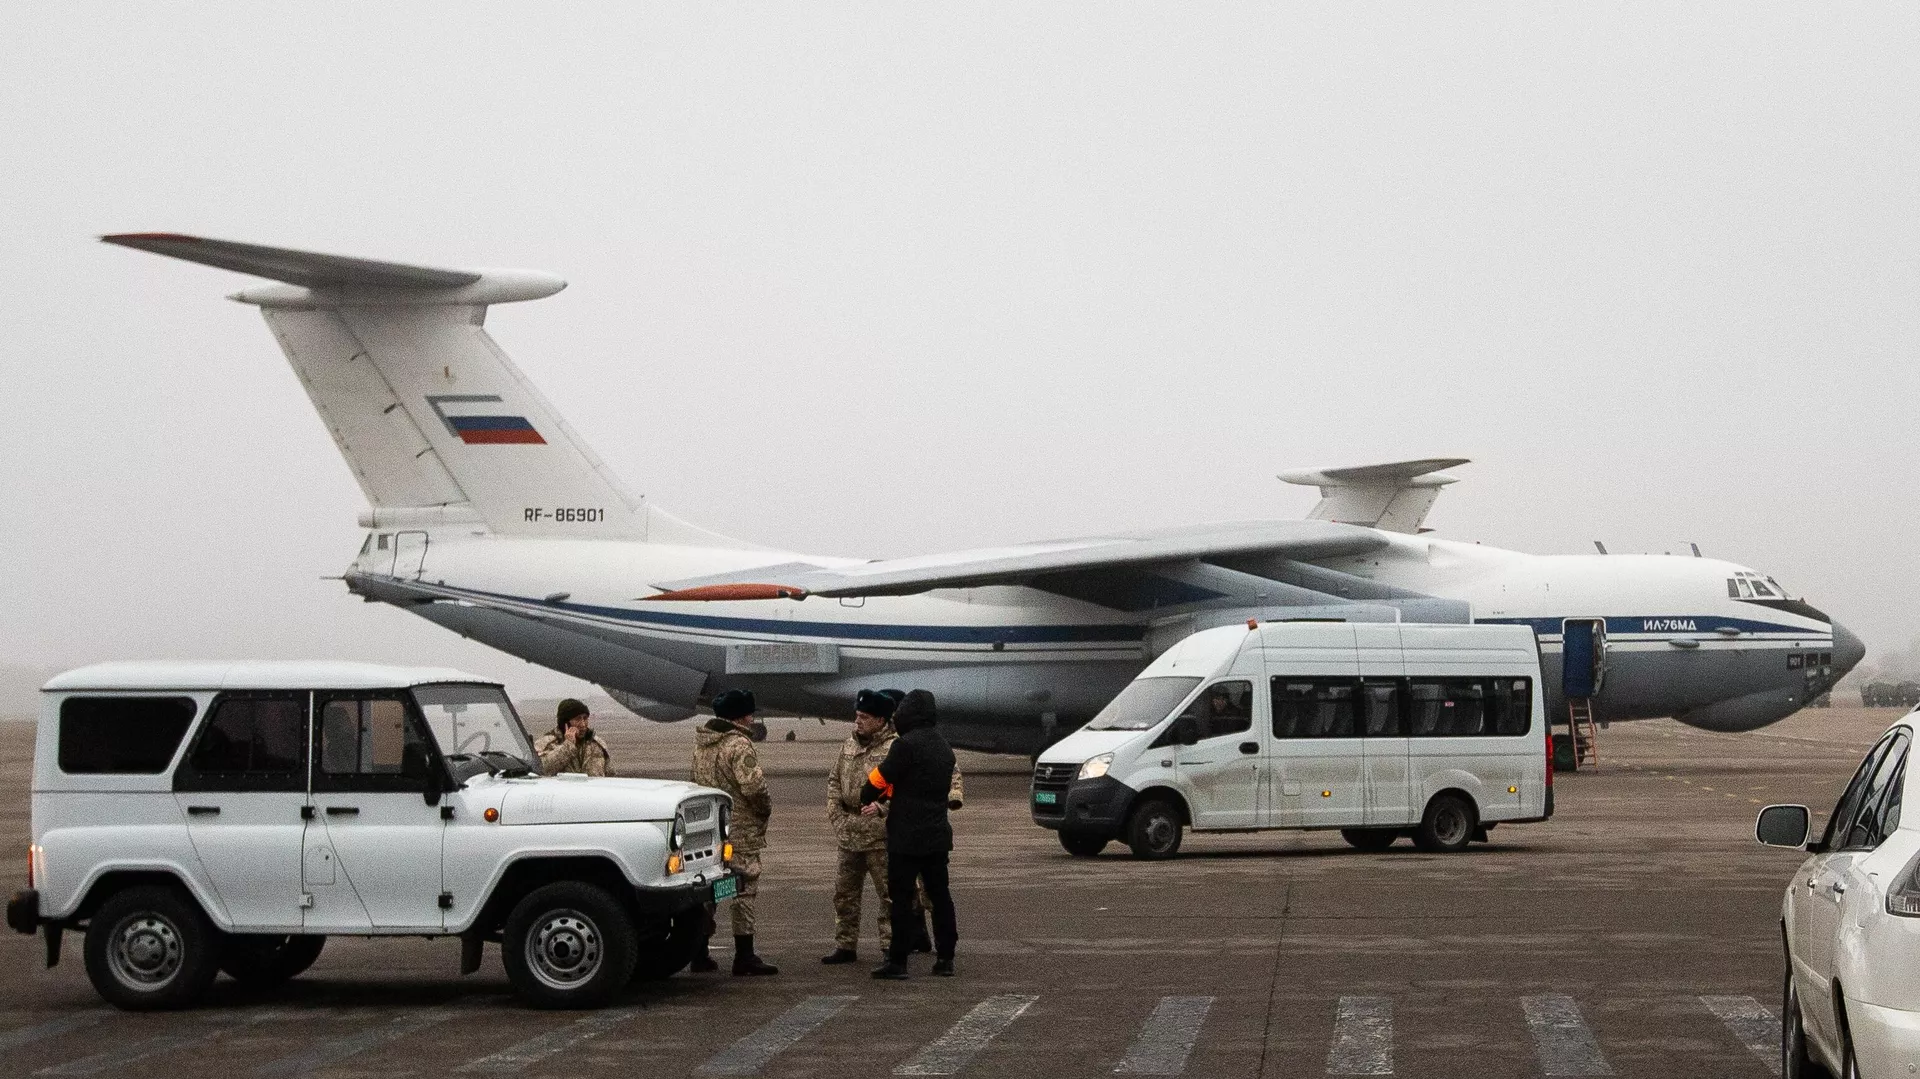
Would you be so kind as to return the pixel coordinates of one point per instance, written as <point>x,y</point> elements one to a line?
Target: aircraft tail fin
<point>438,425</point>
<point>1394,497</point>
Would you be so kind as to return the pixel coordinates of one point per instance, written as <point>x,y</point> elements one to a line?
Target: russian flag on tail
<point>483,428</point>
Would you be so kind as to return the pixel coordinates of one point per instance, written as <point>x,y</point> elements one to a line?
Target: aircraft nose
<point>1848,650</point>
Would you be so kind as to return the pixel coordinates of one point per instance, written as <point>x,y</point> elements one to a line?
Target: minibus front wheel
<point>1153,831</point>
<point>1083,844</point>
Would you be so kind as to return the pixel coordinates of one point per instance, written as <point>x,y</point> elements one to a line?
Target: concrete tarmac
<point>1635,934</point>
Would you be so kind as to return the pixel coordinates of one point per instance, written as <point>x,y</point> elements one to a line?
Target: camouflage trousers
<point>745,866</point>
<point>856,868</point>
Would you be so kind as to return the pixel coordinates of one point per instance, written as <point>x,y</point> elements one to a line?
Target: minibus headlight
<point>1904,897</point>
<point>1095,767</point>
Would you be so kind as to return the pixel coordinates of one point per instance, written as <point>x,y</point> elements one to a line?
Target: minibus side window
<point>1315,708</point>
<point>1380,715</point>
<point>1512,704</point>
<point>1448,707</point>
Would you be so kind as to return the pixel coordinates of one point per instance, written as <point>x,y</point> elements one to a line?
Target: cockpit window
<point>1747,584</point>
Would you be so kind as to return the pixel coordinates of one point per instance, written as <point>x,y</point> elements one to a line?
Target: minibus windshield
<point>1143,703</point>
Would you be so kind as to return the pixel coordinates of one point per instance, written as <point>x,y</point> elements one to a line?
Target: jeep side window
<point>369,742</point>
<point>250,742</point>
<point>121,735</point>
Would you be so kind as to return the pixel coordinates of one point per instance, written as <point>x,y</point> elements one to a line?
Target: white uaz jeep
<point>199,817</point>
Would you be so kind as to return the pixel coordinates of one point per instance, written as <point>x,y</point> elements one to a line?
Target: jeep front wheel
<point>150,948</point>
<point>568,945</point>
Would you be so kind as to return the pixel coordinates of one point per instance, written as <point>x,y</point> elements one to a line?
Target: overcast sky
<point>888,279</point>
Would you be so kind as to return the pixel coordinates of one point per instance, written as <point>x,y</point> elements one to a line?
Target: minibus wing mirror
<point>1186,731</point>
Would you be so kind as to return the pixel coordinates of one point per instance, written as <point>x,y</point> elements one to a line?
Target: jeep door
<point>243,787</point>
<point>372,764</point>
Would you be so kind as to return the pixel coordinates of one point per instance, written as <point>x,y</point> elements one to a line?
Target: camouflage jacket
<point>850,769</point>
<point>724,758</point>
<point>559,755</point>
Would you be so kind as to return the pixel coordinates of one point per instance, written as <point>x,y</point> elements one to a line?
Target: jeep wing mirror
<point>1783,826</point>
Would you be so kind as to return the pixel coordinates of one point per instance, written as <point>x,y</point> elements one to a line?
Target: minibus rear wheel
<point>1447,826</point>
<point>1153,832</point>
<point>1083,844</point>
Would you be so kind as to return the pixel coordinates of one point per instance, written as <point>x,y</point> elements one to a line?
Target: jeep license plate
<point>1045,798</point>
<point>725,888</point>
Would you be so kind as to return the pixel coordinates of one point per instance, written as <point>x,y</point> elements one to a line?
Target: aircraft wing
<point>1023,563</point>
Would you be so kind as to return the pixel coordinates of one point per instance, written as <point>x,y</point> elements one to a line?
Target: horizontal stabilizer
<point>1394,497</point>
<point>304,268</point>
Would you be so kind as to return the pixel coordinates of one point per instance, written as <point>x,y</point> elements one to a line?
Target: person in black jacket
<point>915,780</point>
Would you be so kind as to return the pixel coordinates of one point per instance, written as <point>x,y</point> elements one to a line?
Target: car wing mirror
<point>1783,826</point>
<point>1186,731</point>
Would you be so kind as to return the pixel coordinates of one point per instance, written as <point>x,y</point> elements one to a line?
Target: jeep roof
<point>252,674</point>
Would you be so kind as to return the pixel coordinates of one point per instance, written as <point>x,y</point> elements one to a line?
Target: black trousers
<point>902,872</point>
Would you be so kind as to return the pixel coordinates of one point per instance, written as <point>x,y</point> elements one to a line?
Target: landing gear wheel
<point>262,961</point>
<point>568,945</point>
<point>151,948</point>
<point>668,954</point>
<point>758,732</point>
<point>1083,844</point>
<point>1153,832</point>
<point>1373,839</point>
<point>1795,1063</point>
<point>1447,826</point>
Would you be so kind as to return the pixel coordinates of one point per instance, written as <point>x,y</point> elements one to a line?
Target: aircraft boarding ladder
<point>1586,737</point>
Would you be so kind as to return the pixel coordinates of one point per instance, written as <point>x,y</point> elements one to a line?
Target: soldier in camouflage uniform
<point>571,746</point>
<point>723,757</point>
<point>862,837</point>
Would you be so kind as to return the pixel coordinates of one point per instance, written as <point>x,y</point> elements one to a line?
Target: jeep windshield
<point>1143,703</point>
<point>476,728</point>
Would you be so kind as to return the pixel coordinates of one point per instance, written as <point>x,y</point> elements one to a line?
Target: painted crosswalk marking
<point>1757,1028</point>
<point>1166,1038</point>
<point>334,1050</point>
<point>1362,1037</point>
<point>1561,1037</point>
<point>535,1049</point>
<point>52,1028</point>
<point>950,1052</point>
<point>751,1053</point>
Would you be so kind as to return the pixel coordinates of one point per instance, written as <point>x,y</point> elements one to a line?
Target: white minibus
<point>1377,729</point>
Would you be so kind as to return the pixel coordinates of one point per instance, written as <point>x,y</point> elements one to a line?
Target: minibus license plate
<point>1045,798</point>
<point>725,888</point>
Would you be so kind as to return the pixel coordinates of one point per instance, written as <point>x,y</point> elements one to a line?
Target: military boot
<point>839,955</point>
<point>703,960</point>
<point>746,962</point>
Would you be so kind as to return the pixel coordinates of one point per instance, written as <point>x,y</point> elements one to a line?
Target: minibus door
<point>1383,728</point>
<point>1220,772</point>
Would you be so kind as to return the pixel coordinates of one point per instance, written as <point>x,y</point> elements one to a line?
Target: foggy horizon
<point>868,281</point>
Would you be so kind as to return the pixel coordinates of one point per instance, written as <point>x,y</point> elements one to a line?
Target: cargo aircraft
<point>491,517</point>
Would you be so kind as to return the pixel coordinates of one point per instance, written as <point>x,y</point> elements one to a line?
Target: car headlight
<point>678,835</point>
<point>726,819</point>
<point>1095,767</point>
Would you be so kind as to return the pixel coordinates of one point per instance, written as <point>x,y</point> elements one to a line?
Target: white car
<point>1851,922</point>
<point>191,818</point>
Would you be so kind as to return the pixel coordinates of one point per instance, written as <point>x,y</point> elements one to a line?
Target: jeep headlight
<point>726,820</point>
<point>678,834</point>
<point>1095,767</point>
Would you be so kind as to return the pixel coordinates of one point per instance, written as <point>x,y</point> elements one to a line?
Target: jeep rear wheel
<point>150,948</point>
<point>568,945</point>
<point>262,961</point>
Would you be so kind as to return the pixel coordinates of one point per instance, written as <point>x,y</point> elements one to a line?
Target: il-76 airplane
<point>491,517</point>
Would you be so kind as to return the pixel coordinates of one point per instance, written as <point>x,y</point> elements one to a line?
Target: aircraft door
<point>1583,656</point>
<point>1220,773</point>
<point>409,554</point>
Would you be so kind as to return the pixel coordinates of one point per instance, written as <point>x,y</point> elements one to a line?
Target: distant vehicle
<point>1437,732</point>
<point>191,818</point>
<point>492,518</point>
<point>1890,695</point>
<point>1850,920</point>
